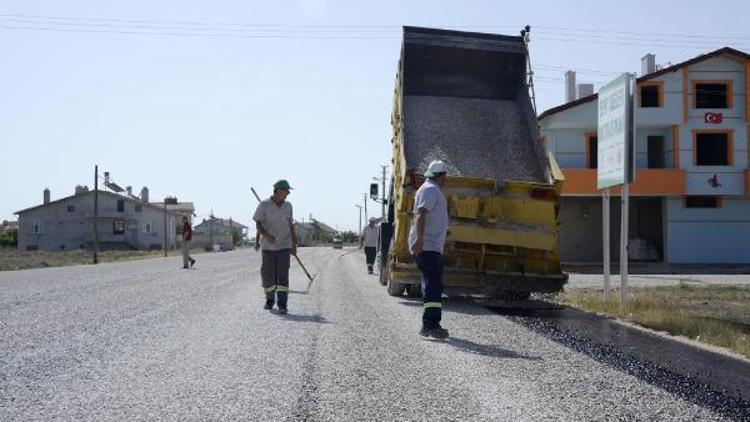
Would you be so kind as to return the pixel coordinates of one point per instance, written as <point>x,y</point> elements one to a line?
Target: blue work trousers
<point>430,263</point>
<point>274,273</point>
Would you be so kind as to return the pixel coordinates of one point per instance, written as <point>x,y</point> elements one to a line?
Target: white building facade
<point>690,202</point>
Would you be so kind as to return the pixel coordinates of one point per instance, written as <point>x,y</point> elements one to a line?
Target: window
<point>655,152</point>
<point>651,95</point>
<point>713,149</point>
<point>713,94</point>
<point>138,208</point>
<point>118,226</point>
<point>35,227</point>
<point>702,202</point>
<point>71,208</point>
<point>591,147</point>
<point>148,227</point>
<point>120,205</point>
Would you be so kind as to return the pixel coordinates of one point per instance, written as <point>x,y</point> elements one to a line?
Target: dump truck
<point>464,98</point>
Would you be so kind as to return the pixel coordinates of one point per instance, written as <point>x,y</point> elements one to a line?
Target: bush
<point>9,239</point>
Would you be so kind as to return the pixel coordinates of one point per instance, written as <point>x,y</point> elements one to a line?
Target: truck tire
<point>395,288</point>
<point>384,272</point>
<point>414,290</point>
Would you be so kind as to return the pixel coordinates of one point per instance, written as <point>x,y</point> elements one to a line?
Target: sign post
<point>605,242</point>
<point>615,134</point>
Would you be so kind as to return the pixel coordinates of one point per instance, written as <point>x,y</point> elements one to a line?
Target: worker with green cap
<point>274,222</point>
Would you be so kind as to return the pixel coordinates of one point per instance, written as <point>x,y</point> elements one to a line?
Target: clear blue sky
<point>202,100</point>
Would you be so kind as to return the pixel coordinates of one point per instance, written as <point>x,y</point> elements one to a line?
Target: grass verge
<point>716,315</point>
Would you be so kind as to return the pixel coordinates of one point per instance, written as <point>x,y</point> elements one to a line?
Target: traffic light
<point>373,190</point>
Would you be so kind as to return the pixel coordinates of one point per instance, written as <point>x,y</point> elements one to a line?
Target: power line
<point>635,42</point>
<point>188,34</point>
<point>578,31</point>
<point>554,33</point>
<point>646,34</point>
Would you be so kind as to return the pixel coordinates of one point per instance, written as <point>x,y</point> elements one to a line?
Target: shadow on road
<point>306,318</point>
<point>486,349</point>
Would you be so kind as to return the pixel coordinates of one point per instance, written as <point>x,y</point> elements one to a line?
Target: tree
<point>349,237</point>
<point>9,239</point>
<point>236,236</point>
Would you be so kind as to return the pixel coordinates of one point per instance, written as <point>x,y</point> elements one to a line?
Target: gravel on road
<point>148,341</point>
<point>475,137</point>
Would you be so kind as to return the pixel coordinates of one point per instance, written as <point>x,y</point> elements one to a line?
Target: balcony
<point>648,182</point>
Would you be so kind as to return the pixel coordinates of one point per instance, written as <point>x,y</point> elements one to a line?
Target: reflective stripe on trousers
<point>431,265</point>
<point>275,276</point>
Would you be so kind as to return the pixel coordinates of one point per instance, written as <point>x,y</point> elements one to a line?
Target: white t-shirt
<point>430,197</point>
<point>275,219</point>
<point>370,234</point>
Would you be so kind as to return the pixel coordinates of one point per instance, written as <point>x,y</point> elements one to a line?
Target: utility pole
<point>211,230</point>
<point>365,198</point>
<point>165,227</point>
<point>96,213</point>
<point>382,195</point>
<point>359,233</point>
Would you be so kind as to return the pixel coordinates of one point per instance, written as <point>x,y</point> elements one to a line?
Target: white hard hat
<point>436,167</point>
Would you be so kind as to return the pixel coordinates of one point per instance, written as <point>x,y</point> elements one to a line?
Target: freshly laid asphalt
<point>146,340</point>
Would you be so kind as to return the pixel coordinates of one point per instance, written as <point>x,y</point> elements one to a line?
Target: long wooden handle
<point>303,268</point>
<point>255,193</point>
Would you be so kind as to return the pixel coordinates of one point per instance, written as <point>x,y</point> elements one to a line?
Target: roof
<point>315,225</point>
<point>568,105</point>
<point>8,225</point>
<point>722,51</point>
<point>180,206</point>
<point>91,192</point>
<point>322,226</point>
<point>222,222</point>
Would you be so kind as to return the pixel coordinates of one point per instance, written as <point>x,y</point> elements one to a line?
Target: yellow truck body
<point>503,234</point>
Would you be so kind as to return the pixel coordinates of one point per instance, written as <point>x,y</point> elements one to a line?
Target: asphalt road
<point>146,340</point>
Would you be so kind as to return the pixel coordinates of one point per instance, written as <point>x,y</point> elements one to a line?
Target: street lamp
<point>360,218</point>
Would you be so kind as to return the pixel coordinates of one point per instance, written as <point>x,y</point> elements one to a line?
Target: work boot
<point>437,332</point>
<point>282,311</point>
<point>268,306</point>
<point>192,262</point>
<point>369,269</point>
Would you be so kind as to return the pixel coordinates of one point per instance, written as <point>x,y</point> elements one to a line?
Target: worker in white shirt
<point>369,239</point>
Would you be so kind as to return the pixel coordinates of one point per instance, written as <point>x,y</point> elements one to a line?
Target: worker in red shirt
<point>187,236</point>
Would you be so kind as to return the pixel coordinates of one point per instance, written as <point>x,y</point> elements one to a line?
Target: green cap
<point>282,184</point>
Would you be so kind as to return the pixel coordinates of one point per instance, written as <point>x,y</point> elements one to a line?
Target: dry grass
<point>21,260</point>
<point>717,315</point>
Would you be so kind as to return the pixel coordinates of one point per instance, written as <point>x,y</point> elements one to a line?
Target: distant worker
<point>369,238</point>
<point>187,236</point>
<point>273,220</point>
<point>426,241</point>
